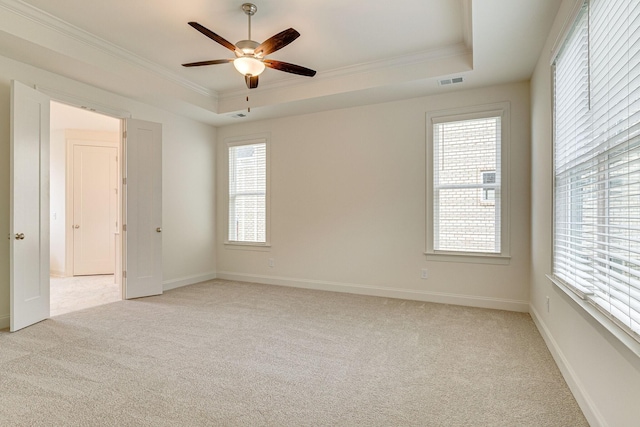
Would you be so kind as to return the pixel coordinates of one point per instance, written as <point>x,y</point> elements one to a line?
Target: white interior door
<point>29,211</point>
<point>95,217</point>
<point>143,209</point>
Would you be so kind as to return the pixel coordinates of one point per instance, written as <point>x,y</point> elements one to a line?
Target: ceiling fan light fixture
<point>250,58</point>
<point>248,65</point>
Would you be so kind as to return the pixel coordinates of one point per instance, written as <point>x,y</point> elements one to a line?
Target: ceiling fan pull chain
<point>248,106</point>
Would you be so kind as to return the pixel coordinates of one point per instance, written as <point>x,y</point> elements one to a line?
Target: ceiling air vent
<point>451,81</point>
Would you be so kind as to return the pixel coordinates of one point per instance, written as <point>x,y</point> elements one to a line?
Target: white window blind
<point>248,192</point>
<point>597,160</point>
<point>466,185</point>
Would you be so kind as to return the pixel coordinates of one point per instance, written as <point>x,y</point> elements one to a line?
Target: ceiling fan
<point>250,58</point>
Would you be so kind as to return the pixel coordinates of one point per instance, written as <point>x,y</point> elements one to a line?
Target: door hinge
<point>124,134</point>
<point>124,274</point>
<point>124,227</point>
<point>124,181</point>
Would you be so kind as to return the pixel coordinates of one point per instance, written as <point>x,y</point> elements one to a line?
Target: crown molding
<point>66,29</point>
<point>46,20</point>
<point>400,61</point>
<point>467,23</point>
<point>457,50</point>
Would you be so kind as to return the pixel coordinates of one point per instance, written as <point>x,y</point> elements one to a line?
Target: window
<point>247,221</point>
<point>466,183</point>
<point>596,240</point>
<point>488,192</point>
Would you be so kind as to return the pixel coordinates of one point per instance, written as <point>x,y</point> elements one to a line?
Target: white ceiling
<point>363,51</point>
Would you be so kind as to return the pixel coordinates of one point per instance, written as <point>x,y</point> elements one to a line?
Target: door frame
<point>115,113</point>
<point>44,173</point>
<point>75,137</point>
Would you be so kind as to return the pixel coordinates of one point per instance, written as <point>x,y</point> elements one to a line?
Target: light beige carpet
<point>79,292</point>
<point>234,354</point>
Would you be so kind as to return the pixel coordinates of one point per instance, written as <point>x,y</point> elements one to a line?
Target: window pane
<point>466,184</point>
<point>247,193</point>
<point>464,224</point>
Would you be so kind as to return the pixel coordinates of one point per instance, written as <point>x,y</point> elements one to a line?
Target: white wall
<point>603,374</point>
<point>348,204</point>
<point>188,178</point>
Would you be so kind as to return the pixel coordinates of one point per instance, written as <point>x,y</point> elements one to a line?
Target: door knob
<point>159,230</point>
<point>19,236</point>
<point>76,226</point>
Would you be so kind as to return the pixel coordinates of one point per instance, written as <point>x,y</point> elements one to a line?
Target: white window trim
<point>603,319</point>
<point>234,142</point>
<point>567,26</point>
<point>501,109</point>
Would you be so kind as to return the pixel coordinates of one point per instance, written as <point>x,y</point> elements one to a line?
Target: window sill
<point>627,340</point>
<point>247,246</point>
<point>468,257</point>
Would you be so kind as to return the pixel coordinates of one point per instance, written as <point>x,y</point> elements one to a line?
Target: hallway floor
<point>79,292</point>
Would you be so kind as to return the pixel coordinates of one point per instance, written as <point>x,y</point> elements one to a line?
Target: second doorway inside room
<point>85,209</point>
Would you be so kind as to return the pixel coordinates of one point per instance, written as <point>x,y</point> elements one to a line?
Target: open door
<point>29,201</point>
<point>143,209</point>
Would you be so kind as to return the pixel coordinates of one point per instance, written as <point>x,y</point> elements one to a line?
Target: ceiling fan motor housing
<point>247,47</point>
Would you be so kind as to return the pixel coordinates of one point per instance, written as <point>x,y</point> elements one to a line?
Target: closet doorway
<point>85,245</point>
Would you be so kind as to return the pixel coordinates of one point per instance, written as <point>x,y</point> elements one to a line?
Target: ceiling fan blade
<point>289,68</point>
<point>277,42</point>
<point>251,81</point>
<point>212,62</point>
<point>213,36</point>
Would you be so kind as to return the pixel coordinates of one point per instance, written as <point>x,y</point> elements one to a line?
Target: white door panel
<point>94,209</point>
<point>29,213</point>
<point>143,214</point>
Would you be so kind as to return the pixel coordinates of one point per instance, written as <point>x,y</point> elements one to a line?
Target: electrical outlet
<point>272,263</point>
<point>424,274</point>
<point>547,304</point>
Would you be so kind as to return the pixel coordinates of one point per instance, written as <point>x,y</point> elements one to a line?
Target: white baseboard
<point>410,294</point>
<point>580,393</point>
<point>56,273</point>
<point>5,322</point>
<point>189,280</point>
